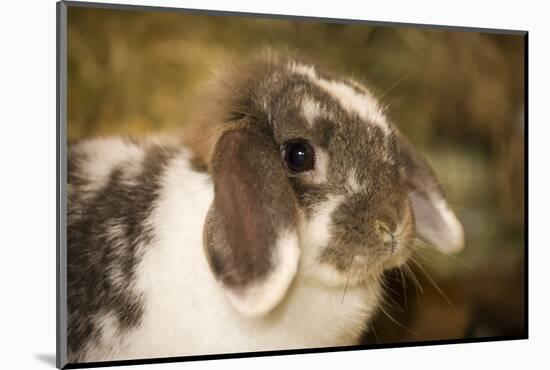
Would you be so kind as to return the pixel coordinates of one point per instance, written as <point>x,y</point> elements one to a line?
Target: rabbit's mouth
<point>357,264</point>
<point>360,260</point>
<point>391,255</point>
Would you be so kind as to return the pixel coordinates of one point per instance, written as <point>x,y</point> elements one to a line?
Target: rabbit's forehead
<point>347,123</point>
<point>347,95</point>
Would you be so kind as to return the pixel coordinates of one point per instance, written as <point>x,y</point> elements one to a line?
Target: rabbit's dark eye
<point>299,155</point>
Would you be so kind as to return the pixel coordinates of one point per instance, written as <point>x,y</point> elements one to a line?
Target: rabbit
<point>266,226</point>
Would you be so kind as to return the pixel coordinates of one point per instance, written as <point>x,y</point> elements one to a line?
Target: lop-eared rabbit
<point>268,226</point>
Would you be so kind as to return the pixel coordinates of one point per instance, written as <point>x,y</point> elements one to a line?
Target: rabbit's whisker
<point>381,307</point>
<point>346,287</point>
<point>394,85</point>
<point>407,269</point>
<point>423,247</point>
<point>403,285</point>
<point>374,332</point>
<point>435,285</point>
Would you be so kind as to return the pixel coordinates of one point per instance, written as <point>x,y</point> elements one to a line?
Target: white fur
<point>105,154</point>
<point>116,236</point>
<point>315,233</point>
<point>437,223</point>
<point>186,311</point>
<point>352,101</point>
<point>111,339</point>
<point>311,110</point>
<point>319,176</point>
<point>362,103</point>
<point>302,69</point>
<point>314,236</point>
<point>260,299</point>
<point>352,185</point>
<point>454,233</point>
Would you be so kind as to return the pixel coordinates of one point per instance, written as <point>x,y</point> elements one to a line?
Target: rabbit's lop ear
<point>250,232</point>
<point>436,223</point>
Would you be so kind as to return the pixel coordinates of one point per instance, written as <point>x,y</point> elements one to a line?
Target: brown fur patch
<point>253,204</point>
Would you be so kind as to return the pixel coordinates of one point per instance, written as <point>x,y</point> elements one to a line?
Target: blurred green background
<point>457,95</point>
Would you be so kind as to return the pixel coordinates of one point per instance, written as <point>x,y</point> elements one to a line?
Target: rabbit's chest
<point>185,311</point>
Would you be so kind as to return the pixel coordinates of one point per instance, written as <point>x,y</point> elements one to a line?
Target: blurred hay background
<point>458,96</point>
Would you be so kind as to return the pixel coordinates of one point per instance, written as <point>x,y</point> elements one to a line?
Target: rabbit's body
<point>182,310</point>
<point>270,228</point>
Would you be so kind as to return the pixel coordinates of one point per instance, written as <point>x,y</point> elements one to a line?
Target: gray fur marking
<point>107,230</point>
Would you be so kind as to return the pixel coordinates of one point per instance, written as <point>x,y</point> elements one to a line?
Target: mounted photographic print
<point>235,184</point>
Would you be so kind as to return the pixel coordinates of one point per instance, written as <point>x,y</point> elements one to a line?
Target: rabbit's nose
<point>386,233</point>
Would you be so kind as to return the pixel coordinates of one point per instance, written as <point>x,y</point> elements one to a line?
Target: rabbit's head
<point>310,177</point>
